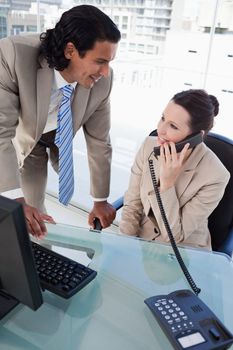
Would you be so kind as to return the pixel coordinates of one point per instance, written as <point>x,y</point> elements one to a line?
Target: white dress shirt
<point>55,100</point>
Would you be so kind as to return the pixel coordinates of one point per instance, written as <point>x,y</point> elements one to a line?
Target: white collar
<point>60,82</point>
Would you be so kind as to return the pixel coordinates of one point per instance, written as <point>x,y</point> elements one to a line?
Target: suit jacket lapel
<point>189,169</point>
<point>79,106</point>
<point>44,86</point>
<point>45,77</point>
<point>187,173</point>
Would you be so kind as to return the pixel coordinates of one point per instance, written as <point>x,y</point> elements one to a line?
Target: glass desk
<point>109,313</point>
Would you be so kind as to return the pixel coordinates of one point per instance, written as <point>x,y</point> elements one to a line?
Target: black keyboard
<point>58,274</point>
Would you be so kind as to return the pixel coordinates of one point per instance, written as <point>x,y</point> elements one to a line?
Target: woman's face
<point>174,124</point>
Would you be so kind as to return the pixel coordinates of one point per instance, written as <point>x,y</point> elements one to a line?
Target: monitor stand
<point>7,303</point>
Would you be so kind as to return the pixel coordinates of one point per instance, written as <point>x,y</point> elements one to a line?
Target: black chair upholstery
<point>221,220</point>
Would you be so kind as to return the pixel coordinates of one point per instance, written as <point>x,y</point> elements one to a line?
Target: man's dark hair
<point>82,25</point>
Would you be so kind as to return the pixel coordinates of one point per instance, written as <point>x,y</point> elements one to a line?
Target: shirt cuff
<point>99,199</point>
<point>12,194</point>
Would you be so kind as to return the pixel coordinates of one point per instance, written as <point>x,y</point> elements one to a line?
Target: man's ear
<point>69,50</point>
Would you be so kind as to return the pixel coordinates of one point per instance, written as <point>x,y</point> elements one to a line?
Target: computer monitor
<point>19,281</point>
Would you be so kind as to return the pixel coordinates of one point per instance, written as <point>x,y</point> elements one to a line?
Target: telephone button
<point>214,332</point>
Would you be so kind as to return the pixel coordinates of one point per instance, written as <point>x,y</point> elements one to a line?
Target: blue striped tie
<point>64,142</point>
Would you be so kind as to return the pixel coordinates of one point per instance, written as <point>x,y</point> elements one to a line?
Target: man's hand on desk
<point>104,211</point>
<point>35,219</point>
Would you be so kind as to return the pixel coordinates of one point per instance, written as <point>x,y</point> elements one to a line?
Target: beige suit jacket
<point>25,90</point>
<point>188,204</point>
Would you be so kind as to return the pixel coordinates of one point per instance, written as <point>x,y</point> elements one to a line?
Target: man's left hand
<point>104,211</point>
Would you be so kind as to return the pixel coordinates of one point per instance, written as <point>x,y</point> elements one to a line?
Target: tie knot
<point>67,91</point>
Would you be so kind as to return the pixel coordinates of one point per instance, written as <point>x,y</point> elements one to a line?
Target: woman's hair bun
<point>215,103</point>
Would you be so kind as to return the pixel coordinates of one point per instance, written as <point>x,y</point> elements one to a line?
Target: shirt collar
<point>60,82</point>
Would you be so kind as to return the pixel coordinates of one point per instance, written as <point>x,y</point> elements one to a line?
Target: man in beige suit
<point>32,71</point>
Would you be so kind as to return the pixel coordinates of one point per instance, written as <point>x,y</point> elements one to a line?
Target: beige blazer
<point>25,90</point>
<point>188,204</point>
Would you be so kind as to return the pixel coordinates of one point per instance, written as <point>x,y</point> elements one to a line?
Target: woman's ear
<point>69,50</point>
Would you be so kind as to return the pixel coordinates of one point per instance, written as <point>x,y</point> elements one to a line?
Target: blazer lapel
<point>189,169</point>
<point>183,181</point>
<point>44,86</point>
<point>186,175</point>
<point>79,106</point>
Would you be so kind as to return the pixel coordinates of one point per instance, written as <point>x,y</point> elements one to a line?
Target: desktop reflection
<point>110,313</point>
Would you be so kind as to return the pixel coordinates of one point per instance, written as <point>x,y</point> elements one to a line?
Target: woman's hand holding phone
<point>171,164</point>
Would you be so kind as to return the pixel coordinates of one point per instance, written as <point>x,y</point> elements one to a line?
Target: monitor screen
<point>18,277</point>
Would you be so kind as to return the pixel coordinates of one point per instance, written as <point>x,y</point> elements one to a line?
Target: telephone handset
<point>193,141</point>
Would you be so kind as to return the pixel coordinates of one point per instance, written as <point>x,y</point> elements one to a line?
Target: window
<point>3,27</point>
<point>31,28</point>
<point>124,19</point>
<point>17,29</point>
<point>169,46</point>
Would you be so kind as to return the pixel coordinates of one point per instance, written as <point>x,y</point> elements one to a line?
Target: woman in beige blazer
<point>191,182</point>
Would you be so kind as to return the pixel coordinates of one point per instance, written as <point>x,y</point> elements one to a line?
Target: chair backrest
<point>221,220</point>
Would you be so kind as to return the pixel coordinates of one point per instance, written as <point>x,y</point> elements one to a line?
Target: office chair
<point>220,221</point>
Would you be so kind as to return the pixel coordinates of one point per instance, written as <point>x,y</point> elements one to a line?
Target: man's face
<point>89,69</point>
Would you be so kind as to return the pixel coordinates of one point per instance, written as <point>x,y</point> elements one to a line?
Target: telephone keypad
<point>173,315</point>
<point>185,328</point>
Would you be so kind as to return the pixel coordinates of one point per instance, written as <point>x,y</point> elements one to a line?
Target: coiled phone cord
<point>189,278</point>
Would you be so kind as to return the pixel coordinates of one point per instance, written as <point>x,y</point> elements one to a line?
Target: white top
<point>55,100</point>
